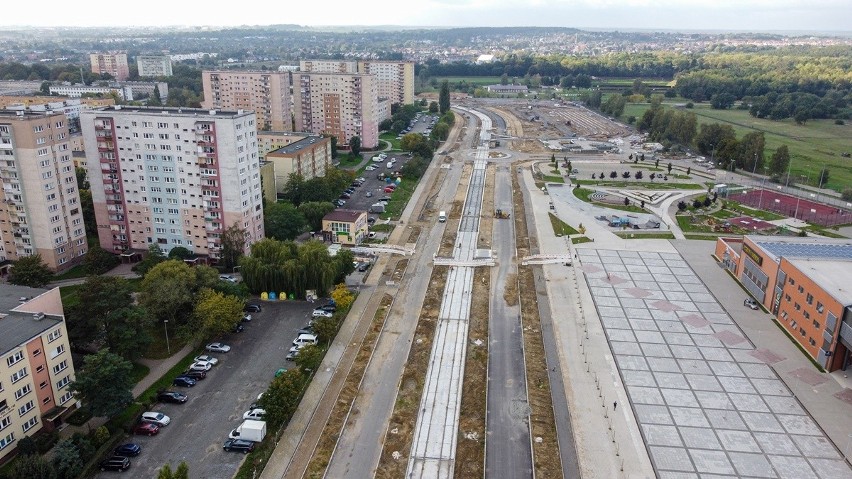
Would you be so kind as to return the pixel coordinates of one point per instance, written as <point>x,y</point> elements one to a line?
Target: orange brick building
<point>805,283</point>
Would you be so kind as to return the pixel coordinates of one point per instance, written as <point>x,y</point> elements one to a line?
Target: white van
<point>304,340</point>
<point>442,217</point>
<point>390,164</point>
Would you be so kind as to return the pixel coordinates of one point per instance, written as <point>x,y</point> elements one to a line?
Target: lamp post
<point>166,328</point>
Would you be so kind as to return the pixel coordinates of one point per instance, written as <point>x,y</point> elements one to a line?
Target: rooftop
<point>297,145</point>
<point>16,327</point>
<point>811,248</point>
<point>833,276</point>
<point>27,114</point>
<point>168,111</point>
<point>348,216</point>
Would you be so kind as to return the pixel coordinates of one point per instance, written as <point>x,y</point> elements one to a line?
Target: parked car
<point>238,445</point>
<point>200,366</point>
<point>365,266</point>
<point>371,220</point>
<point>218,347</point>
<point>206,358</point>
<point>246,318</point>
<point>751,303</point>
<point>127,450</point>
<point>321,313</point>
<point>291,356</point>
<point>229,278</point>
<point>369,194</point>
<point>157,418</point>
<point>238,328</point>
<point>256,414</point>
<point>115,463</point>
<point>146,429</point>
<point>172,397</point>
<point>388,189</point>
<point>184,381</point>
<point>195,375</point>
<point>330,307</point>
<point>251,308</point>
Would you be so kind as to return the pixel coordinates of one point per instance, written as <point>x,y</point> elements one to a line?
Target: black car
<point>115,463</point>
<point>309,329</point>
<point>363,267</point>
<point>252,308</point>
<point>371,220</point>
<point>184,381</point>
<point>331,308</point>
<point>172,397</point>
<point>127,450</point>
<point>238,445</point>
<point>197,375</point>
<point>238,328</point>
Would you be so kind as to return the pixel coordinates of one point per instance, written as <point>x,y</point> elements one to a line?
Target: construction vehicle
<point>501,215</point>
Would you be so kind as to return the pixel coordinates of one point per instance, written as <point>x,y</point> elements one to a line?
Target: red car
<point>146,429</point>
<point>388,189</point>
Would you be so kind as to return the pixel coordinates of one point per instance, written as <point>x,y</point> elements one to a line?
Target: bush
<point>839,122</point>
<point>682,205</point>
<point>689,105</point>
<point>79,417</point>
<point>846,194</point>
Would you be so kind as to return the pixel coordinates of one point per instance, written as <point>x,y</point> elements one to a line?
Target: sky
<point>748,15</point>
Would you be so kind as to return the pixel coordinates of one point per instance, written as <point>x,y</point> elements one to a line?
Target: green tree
<point>342,296</point>
<point>325,329</point>
<point>181,253</point>
<point>314,211</point>
<point>504,79</point>
<point>126,332</point>
<point>32,467</point>
<point>30,271</point>
<point>88,208</point>
<point>433,107</point>
<point>440,131</point>
<point>294,188</point>
<point>99,298</point>
<point>166,291</point>
<point>309,358</point>
<point>846,194</point>
<point>215,314</point>
<point>82,182</point>
<point>669,168</point>
<point>355,145</point>
<point>282,397</point>
<point>751,148</point>
<point>154,257</point>
<point>104,383</point>
<point>182,471</point>
<point>233,246</point>
<point>712,136</point>
<point>779,161</point>
<point>411,141</point>
<point>66,459</point>
<point>99,261</point>
<point>444,97</point>
<point>283,221</point>
<point>722,101</point>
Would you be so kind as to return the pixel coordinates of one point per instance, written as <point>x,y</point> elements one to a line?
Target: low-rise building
<point>804,284</point>
<point>309,157</point>
<point>346,227</point>
<point>36,366</point>
<point>507,89</point>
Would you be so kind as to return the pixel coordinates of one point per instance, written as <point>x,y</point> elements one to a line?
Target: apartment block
<point>173,177</point>
<point>309,157</point>
<point>114,64</point>
<point>40,210</point>
<point>272,140</point>
<point>328,66</point>
<point>265,93</point>
<point>394,80</point>
<point>804,284</point>
<point>154,65</point>
<point>339,104</point>
<point>35,365</point>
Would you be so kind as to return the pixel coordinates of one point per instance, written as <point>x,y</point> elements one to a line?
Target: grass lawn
<point>639,235</point>
<point>78,271</point>
<point>815,144</point>
<point>580,239</point>
<point>662,185</point>
<point>399,198</point>
<point>753,212</point>
<point>553,179</point>
<point>139,372</point>
<point>386,228</point>
<point>560,228</point>
<point>347,161</point>
<point>159,347</point>
<point>390,138</point>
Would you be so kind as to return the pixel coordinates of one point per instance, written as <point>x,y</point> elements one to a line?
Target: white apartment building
<point>328,66</point>
<point>154,65</point>
<point>394,80</point>
<point>35,364</point>
<point>339,104</point>
<point>173,177</point>
<point>40,210</point>
<point>125,90</point>
<point>265,93</point>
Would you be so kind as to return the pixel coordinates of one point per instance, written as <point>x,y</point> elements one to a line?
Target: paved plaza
<point>707,402</point>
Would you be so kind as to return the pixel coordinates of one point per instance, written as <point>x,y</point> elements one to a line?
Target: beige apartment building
<point>309,157</point>
<point>339,104</point>
<point>154,65</point>
<point>394,80</point>
<point>114,64</point>
<point>173,177</point>
<point>40,210</point>
<point>35,365</point>
<point>265,93</point>
<point>328,66</point>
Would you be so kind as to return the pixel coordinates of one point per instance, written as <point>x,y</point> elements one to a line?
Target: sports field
<point>803,209</point>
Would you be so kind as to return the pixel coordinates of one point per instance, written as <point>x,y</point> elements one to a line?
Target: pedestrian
<point>614,405</point>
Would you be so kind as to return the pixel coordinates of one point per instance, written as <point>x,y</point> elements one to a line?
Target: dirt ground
<point>545,445</point>
<point>488,207</point>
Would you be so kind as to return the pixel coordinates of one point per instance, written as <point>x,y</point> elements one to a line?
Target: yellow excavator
<point>501,215</point>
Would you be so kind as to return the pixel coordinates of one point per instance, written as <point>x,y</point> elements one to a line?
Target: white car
<point>228,278</point>
<point>206,358</point>
<point>256,414</point>
<point>217,348</point>
<point>370,168</point>
<point>157,418</point>
<point>200,366</point>
<point>319,313</point>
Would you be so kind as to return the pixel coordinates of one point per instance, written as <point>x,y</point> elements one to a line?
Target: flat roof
<point>813,248</point>
<point>17,328</point>
<point>298,145</point>
<point>833,276</point>
<point>28,114</point>
<point>347,216</point>
<point>170,111</point>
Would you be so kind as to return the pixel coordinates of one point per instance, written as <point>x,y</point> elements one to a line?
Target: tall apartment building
<point>114,64</point>
<point>394,80</point>
<point>40,211</point>
<point>154,65</point>
<point>328,66</point>
<point>35,364</point>
<point>339,104</point>
<point>265,93</point>
<point>173,177</point>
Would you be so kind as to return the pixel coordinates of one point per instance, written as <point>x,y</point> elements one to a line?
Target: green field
<point>815,144</point>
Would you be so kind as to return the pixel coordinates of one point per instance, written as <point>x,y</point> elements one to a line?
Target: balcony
<point>104,134</point>
<point>846,331</point>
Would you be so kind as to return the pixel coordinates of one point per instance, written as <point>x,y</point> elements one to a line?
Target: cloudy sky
<point>751,15</point>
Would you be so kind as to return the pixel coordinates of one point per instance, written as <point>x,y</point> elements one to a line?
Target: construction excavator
<point>501,215</point>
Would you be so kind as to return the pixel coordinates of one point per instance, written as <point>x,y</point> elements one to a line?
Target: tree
<point>355,145</point>
<point>88,208</point>
<point>309,358</point>
<point>66,459</point>
<point>444,97</point>
<point>154,257</point>
<point>669,168</point>
<point>626,201</point>
<point>433,107</point>
<point>104,383</point>
<point>688,170</point>
<point>282,397</point>
<point>638,175</point>
<point>613,174</point>
<point>32,467</point>
<point>99,261</point>
<point>333,140</point>
<point>181,253</point>
<point>342,296</point>
<point>504,79</point>
<point>283,221</point>
<point>440,131</point>
<point>625,175</point>
<point>553,159</point>
<point>215,314</point>
<point>751,148</point>
<point>707,201</point>
<point>82,182</point>
<point>182,472</point>
<point>681,205</point>
<point>126,332</point>
<point>846,194</point>
<point>410,141</point>
<point>314,211</point>
<point>166,291</point>
<point>779,161</point>
<point>233,246</point>
<point>722,101</point>
<point>30,271</point>
<point>325,329</point>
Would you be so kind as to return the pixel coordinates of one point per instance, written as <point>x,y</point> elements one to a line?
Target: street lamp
<point>166,327</point>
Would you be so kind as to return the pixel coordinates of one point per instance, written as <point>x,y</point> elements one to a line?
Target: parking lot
<point>216,404</point>
<point>373,189</point>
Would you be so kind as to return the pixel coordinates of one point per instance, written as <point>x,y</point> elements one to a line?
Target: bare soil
<point>486,219</point>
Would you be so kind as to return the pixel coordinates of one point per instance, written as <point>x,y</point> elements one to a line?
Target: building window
<point>816,324</point>
<point>26,408</point>
<point>37,352</point>
<point>19,375</point>
<point>23,391</point>
<point>810,298</point>
<point>42,385</point>
<point>63,382</point>
<point>54,335</point>
<point>6,421</point>
<point>60,367</point>
<point>820,307</point>
<point>46,400</point>
<point>65,398</point>
<point>811,341</point>
<point>40,368</point>
<point>32,422</point>
<point>18,356</point>
<point>7,440</point>
<point>56,352</point>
